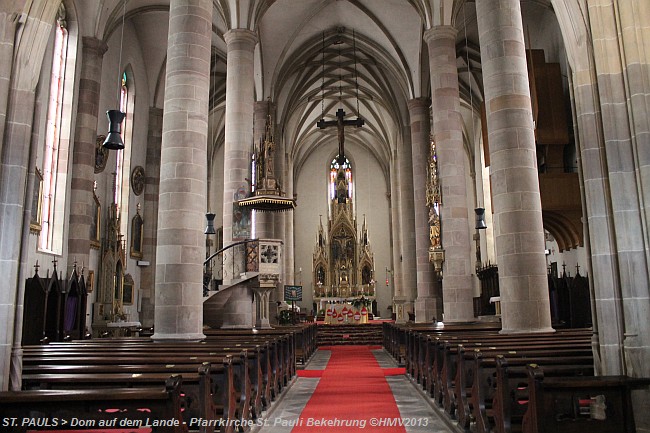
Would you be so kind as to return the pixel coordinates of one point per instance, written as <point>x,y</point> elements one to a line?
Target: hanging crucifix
<point>340,124</point>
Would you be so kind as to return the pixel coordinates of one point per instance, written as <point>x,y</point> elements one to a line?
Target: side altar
<point>343,261</point>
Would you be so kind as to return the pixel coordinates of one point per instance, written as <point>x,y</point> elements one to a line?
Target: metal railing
<point>229,263</point>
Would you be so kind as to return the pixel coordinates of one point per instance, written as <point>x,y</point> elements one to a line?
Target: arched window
<point>334,169</point>
<point>119,165</point>
<point>57,137</point>
<point>123,160</point>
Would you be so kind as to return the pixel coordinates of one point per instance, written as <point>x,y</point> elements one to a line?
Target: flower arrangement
<point>361,302</point>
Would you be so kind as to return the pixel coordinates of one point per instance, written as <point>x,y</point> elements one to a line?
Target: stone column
<point>515,186</point>
<point>14,227</point>
<point>263,220</point>
<point>287,235</point>
<point>150,214</point>
<point>401,204</point>
<point>183,173</point>
<point>83,155</point>
<point>239,121</point>
<point>457,293</point>
<point>8,22</point>
<point>425,304</point>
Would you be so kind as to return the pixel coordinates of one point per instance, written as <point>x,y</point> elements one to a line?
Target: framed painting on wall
<point>37,203</point>
<point>127,290</point>
<point>90,282</point>
<point>96,224</point>
<point>137,235</point>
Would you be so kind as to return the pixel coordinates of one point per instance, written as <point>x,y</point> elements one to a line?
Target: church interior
<point>284,175</point>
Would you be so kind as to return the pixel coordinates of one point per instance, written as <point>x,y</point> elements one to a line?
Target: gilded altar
<point>343,261</point>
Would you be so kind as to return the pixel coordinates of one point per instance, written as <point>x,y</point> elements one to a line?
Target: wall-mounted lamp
<point>480,218</point>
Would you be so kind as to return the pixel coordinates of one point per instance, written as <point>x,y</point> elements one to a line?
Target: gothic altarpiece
<point>115,286</point>
<point>343,261</point>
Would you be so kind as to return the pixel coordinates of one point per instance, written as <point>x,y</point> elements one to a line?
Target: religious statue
<point>341,134</point>
<point>434,228</point>
<point>269,149</point>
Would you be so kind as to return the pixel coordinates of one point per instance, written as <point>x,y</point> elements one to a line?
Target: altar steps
<point>340,335</point>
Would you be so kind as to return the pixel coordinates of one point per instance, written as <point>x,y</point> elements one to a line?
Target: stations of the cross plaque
<point>340,124</point>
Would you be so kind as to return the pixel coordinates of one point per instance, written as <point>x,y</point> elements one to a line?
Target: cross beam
<point>340,124</point>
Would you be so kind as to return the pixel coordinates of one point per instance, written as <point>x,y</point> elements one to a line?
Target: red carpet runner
<point>352,396</point>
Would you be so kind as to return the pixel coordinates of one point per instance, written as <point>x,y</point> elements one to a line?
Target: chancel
<point>343,261</point>
<point>395,176</point>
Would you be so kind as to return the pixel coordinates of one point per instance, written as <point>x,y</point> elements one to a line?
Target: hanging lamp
<point>480,218</point>
<point>116,117</point>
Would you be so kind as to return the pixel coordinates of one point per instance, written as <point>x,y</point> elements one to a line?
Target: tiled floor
<point>416,412</point>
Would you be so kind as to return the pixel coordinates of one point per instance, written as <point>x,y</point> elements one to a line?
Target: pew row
<point>230,378</point>
<point>141,410</point>
<point>600,404</point>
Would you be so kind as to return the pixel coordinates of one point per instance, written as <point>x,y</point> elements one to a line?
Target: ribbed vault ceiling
<point>315,56</point>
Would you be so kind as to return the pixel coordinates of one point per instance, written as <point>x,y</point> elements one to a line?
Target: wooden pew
<point>268,372</point>
<point>41,409</point>
<point>457,353</point>
<point>256,355</point>
<point>556,404</point>
<point>455,370</point>
<point>260,365</point>
<point>238,365</point>
<point>286,352</point>
<point>493,389</point>
<point>438,372</point>
<point>265,379</point>
<point>420,358</point>
<point>433,349</point>
<point>205,394</point>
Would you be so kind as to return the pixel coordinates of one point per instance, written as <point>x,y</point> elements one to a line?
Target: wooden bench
<point>274,367</point>
<point>239,366</point>
<point>256,384</point>
<point>286,350</point>
<point>436,363</point>
<point>569,404</point>
<point>455,370</point>
<point>134,408</point>
<point>259,364</point>
<point>493,391</point>
<point>421,356</point>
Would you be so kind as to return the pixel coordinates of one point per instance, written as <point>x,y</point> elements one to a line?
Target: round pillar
<point>457,293</point>
<point>183,173</point>
<point>513,165</point>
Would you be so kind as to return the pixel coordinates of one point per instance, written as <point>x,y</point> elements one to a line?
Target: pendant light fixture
<point>479,211</point>
<point>115,117</point>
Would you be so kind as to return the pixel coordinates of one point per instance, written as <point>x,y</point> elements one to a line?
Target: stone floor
<point>416,410</point>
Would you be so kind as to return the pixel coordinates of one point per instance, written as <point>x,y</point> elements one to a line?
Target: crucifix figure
<point>340,124</point>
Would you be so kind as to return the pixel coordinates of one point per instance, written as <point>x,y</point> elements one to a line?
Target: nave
<point>464,377</point>
<point>330,395</point>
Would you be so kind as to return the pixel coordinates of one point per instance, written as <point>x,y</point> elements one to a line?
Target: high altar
<point>343,262</point>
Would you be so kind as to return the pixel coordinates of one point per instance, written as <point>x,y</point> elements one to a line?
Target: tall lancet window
<point>122,164</point>
<point>57,138</point>
<point>334,169</point>
<point>119,165</point>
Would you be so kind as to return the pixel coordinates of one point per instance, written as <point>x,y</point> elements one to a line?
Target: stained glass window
<point>334,169</point>
<point>56,145</point>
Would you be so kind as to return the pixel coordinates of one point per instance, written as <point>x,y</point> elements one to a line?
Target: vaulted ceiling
<point>315,56</point>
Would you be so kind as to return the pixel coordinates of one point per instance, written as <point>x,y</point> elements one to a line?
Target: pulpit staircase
<point>245,270</point>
